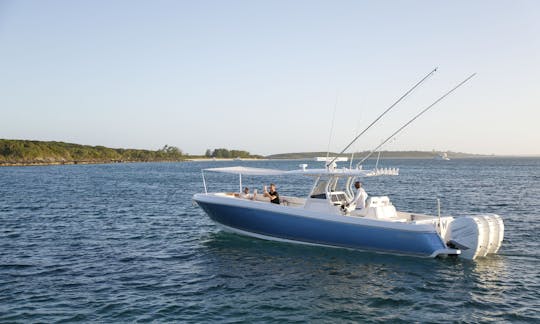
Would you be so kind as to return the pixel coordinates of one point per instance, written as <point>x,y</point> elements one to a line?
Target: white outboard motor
<point>476,236</point>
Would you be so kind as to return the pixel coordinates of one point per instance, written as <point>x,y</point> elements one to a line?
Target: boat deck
<point>377,210</point>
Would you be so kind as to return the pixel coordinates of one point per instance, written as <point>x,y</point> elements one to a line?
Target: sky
<point>271,76</point>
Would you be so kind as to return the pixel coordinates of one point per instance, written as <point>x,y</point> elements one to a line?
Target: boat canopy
<point>344,172</point>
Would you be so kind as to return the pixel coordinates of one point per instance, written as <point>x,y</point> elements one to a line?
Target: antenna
<point>331,129</point>
<point>384,113</point>
<point>352,153</point>
<point>418,115</point>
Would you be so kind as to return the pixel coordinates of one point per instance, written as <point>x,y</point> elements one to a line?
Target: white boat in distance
<point>322,218</point>
<point>442,156</point>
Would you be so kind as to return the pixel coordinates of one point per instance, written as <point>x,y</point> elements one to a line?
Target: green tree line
<point>228,154</point>
<point>35,152</point>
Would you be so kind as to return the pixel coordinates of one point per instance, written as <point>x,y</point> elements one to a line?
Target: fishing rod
<point>384,113</point>
<point>415,117</point>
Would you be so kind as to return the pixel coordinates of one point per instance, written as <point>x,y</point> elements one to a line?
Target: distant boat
<point>442,157</point>
<point>238,158</point>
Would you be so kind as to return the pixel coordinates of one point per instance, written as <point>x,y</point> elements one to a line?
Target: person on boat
<point>272,194</point>
<point>359,200</point>
<point>245,194</point>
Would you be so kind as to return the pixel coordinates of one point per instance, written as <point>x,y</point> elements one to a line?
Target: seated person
<point>272,194</point>
<point>245,194</point>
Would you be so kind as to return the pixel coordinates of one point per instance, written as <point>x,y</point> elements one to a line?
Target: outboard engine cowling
<point>476,236</point>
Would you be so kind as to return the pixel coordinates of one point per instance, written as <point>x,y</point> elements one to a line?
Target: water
<point>123,243</point>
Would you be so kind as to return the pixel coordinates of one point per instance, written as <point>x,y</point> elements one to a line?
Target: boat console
<point>338,198</point>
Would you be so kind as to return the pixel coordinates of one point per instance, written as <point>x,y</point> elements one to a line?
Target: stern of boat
<point>476,236</point>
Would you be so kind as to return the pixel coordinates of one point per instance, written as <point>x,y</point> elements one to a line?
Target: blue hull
<point>286,226</point>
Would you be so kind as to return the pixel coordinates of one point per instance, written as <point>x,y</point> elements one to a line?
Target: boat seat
<point>379,208</point>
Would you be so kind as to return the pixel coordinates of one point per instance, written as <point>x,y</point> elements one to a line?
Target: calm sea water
<point>124,243</point>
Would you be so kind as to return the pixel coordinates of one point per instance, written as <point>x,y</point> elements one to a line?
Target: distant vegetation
<point>229,154</point>
<point>22,152</point>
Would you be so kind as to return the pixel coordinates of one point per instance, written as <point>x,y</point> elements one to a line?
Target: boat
<point>326,216</point>
<point>442,157</point>
<point>322,217</point>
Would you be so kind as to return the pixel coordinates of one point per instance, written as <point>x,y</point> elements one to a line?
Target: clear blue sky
<point>264,76</point>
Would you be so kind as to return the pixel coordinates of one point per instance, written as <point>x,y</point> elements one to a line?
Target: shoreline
<point>23,164</point>
<point>225,159</point>
<point>42,163</point>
